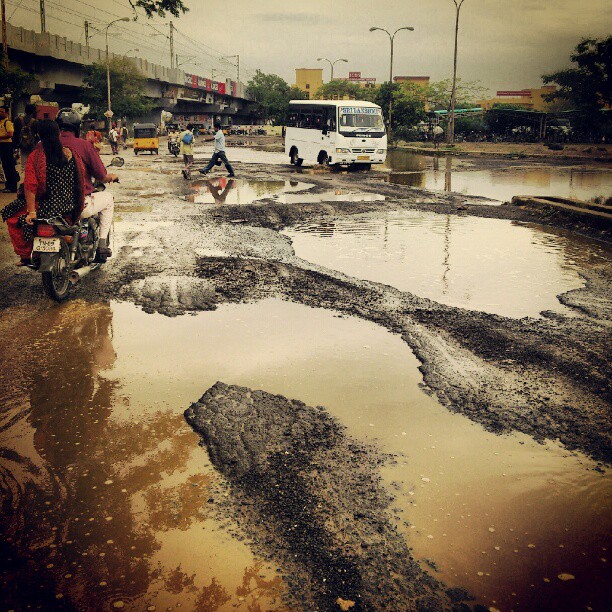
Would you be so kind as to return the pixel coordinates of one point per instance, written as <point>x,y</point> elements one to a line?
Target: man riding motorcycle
<point>100,203</point>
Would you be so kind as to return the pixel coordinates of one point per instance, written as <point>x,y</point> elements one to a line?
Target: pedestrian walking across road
<point>218,151</point>
<point>186,140</point>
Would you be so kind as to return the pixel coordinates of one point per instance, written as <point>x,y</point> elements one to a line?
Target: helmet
<point>69,119</point>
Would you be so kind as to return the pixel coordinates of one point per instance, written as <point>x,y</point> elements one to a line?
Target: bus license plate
<point>363,157</point>
<point>46,245</point>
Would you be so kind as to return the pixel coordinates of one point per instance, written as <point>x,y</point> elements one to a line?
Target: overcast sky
<point>506,44</point>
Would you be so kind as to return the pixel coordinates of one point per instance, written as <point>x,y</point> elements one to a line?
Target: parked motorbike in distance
<point>65,252</point>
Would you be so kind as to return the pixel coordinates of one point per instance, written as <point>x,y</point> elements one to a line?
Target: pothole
<point>482,264</point>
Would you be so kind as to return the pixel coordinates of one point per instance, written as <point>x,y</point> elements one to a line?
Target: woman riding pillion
<point>54,185</point>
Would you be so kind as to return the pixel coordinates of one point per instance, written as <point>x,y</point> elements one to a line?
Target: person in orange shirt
<point>7,154</point>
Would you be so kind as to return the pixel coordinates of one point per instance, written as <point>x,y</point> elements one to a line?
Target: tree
<point>159,7</point>
<point>341,89</point>
<point>14,82</point>
<point>588,85</point>
<point>500,122</point>
<point>408,104</point>
<point>126,87</point>
<point>273,93</point>
<point>467,94</point>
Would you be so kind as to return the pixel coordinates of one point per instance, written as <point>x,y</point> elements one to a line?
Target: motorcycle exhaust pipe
<point>79,273</point>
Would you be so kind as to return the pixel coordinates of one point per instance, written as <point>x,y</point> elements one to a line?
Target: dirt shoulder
<point>569,151</point>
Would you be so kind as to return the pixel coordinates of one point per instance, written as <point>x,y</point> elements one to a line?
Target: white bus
<point>335,132</point>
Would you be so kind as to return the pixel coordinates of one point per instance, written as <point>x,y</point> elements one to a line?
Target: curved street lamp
<point>109,112</point>
<point>324,59</point>
<point>450,135</point>
<point>391,38</point>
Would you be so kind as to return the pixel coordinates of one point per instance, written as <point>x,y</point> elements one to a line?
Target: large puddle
<point>105,491</point>
<point>499,183</point>
<point>224,190</point>
<point>490,265</point>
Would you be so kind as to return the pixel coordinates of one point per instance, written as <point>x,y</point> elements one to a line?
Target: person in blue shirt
<point>218,152</point>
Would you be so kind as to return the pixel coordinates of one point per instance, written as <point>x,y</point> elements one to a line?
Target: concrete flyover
<point>58,64</point>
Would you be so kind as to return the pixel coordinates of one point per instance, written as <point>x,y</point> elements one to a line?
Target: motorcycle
<point>174,146</point>
<point>65,252</point>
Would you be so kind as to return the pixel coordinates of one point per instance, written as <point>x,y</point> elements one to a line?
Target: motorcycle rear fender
<point>47,261</point>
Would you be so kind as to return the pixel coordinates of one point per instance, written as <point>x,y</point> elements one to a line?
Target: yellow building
<point>421,81</point>
<point>528,99</point>
<point>309,80</point>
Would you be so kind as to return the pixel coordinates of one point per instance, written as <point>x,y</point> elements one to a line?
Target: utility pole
<point>172,45</point>
<point>450,136</point>
<point>4,41</point>
<point>87,36</point>
<point>43,26</point>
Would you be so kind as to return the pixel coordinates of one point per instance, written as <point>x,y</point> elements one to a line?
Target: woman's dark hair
<point>49,136</point>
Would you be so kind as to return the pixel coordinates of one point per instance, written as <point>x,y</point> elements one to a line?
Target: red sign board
<point>354,76</point>
<point>221,88</point>
<point>523,93</point>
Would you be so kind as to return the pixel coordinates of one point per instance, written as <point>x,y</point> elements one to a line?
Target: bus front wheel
<point>295,159</point>
<point>323,158</point>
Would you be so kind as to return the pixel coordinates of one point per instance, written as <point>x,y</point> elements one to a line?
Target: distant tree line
<point>585,89</point>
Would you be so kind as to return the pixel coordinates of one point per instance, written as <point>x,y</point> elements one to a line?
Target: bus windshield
<point>358,118</point>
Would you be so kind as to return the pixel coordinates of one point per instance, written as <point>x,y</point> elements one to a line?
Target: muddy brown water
<point>224,190</point>
<point>491,265</point>
<point>105,491</point>
<point>502,182</point>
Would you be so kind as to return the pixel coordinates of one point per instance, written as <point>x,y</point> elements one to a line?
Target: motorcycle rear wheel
<point>57,282</point>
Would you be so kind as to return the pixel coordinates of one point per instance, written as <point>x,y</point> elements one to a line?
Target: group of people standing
<point>116,136</point>
<point>17,141</point>
<point>58,180</point>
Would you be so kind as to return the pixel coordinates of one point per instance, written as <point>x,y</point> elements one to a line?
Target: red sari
<point>36,181</point>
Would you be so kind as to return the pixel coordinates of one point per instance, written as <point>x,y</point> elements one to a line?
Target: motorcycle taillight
<point>45,230</point>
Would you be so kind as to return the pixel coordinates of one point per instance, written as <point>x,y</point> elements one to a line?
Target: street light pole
<point>108,87</point>
<point>450,136</point>
<point>391,39</point>
<point>237,64</point>
<point>331,64</point>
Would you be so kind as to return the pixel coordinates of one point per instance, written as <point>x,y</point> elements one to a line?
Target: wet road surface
<point>109,502</point>
<point>502,181</point>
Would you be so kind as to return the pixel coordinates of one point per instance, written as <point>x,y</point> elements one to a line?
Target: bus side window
<point>317,122</point>
<point>292,121</point>
<point>306,121</point>
<point>330,120</point>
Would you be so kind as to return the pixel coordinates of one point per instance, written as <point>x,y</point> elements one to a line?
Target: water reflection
<point>92,502</point>
<point>482,264</point>
<point>499,183</point>
<point>105,490</point>
<point>224,190</point>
